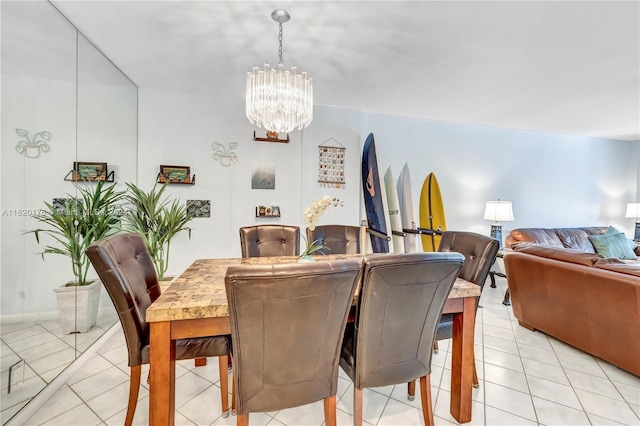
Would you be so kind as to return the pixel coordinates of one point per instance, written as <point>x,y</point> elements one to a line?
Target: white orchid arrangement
<point>311,216</point>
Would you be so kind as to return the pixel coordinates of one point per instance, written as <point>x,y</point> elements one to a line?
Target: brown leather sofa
<point>560,286</point>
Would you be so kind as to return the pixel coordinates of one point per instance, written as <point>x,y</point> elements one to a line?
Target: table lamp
<point>498,211</point>
<point>633,210</point>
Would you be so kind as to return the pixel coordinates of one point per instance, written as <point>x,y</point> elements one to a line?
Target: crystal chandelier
<point>279,100</point>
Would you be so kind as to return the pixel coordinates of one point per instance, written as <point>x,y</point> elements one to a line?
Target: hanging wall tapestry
<point>331,164</point>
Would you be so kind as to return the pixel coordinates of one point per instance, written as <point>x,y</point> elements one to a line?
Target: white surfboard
<point>405,200</point>
<point>394,211</point>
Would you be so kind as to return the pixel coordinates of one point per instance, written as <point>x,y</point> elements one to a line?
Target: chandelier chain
<point>280,60</point>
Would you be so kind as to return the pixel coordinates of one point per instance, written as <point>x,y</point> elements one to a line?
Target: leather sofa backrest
<point>270,240</point>
<point>572,238</point>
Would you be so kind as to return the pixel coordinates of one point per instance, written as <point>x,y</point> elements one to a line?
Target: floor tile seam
<point>49,354</point>
<point>97,395</point>
<point>622,398</point>
<point>535,412</point>
<point>82,402</point>
<point>386,404</point>
<point>510,413</point>
<point>44,330</point>
<point>611,399</point>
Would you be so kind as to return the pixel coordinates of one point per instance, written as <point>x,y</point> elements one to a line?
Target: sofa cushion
<point>613,246</point>
<point>615,265</point>
<point>614,230</point>
<point>575,238</point>
<point>558,253</point>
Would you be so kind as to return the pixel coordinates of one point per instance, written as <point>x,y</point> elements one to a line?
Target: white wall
<point>553,180</point>
<point>179,129</point>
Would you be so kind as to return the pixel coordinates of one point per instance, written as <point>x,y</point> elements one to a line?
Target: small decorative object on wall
<point>225,155</point>
<point>31,147</point>
<point>271,137</point>
<point>263,175</point>
<point>61,204</point>
<point>176,174</point>
<point>199,208</point>
<point>331,164</point>
<point>89,172</point>
<point>268,211</point>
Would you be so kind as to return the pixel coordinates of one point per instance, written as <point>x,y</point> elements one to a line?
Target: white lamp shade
<point>498,211</point>
<point>633,210</point>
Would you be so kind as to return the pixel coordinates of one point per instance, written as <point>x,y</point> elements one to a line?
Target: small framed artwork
<point>199,208</point>
<point>175,174</point>
<point>89,171</point>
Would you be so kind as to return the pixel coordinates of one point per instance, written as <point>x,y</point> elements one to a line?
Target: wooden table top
<point>199,292</point>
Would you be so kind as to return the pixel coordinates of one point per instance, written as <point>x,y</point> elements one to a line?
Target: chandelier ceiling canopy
<point>278,99</point>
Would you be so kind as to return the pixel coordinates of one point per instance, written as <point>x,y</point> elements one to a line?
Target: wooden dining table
<point>195,305</point>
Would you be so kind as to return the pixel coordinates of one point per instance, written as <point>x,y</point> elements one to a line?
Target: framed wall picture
<point>175,174</point>
<point>89,171</point>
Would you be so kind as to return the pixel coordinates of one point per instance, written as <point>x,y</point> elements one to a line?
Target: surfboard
<point>405,199</point>
<point>394,211</point>
<point>431,212</point>
<point>375,199</point>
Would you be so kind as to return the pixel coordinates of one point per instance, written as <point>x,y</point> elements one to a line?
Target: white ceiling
<point>569,67</point>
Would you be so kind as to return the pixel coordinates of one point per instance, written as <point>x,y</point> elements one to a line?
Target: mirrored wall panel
<point>69,128</point>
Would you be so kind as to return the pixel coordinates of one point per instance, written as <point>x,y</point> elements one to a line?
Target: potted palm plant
<point>158,220</point>
<point>92,215</point>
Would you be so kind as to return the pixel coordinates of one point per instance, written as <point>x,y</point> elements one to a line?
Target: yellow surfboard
<point>431,212</point>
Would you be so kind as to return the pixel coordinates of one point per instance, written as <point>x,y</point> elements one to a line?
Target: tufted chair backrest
<point>287,323</point>
<point>339,239</point>
<point>270,240</point>
<point>479,252</point>
<point>127,272</point>
<point>400,305</point>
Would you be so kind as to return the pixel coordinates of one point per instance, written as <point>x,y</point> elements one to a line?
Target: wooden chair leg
<point>411,390</point>
<point>425,397</point>
<point>233,394</point>
<point>242,420</point>
<point>134,389</point>
<point>224,384</point>
<point>476,383</point>
<point>200,362</point>
<point>357,406</point>
<point>330,415</point>
<point>435,347</point>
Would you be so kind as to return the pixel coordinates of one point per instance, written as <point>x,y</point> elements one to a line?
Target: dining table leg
<point>462,360</point>
<point>162,373</point>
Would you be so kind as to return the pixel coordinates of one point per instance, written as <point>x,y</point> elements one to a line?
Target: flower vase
<point>306,259</point>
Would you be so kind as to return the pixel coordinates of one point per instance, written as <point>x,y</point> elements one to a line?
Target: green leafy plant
<point>93,215</point>
<point>158,220</point>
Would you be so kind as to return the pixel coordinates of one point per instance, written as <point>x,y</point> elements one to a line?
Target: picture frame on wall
<point>89,171</point>
<point>174,174</point>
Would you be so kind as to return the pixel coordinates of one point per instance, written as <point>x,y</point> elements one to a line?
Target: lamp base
<point>636,236</point>
<point>496,232</point>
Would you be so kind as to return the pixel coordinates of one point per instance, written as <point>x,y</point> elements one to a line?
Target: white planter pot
<point>78,306</point>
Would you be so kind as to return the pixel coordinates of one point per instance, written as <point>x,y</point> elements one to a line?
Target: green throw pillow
<point>612,230</point>
<point>614,246</point>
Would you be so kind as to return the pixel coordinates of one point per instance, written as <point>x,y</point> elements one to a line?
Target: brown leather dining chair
<point>400,304</point>
<point>270,240</point>
<point>338,239</point>
<point>479,254</point>
<point>287,323</point>
<point>127,272</point>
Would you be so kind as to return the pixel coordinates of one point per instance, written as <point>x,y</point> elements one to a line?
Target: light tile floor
<point>526,378</point>
<point>46,351</point>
